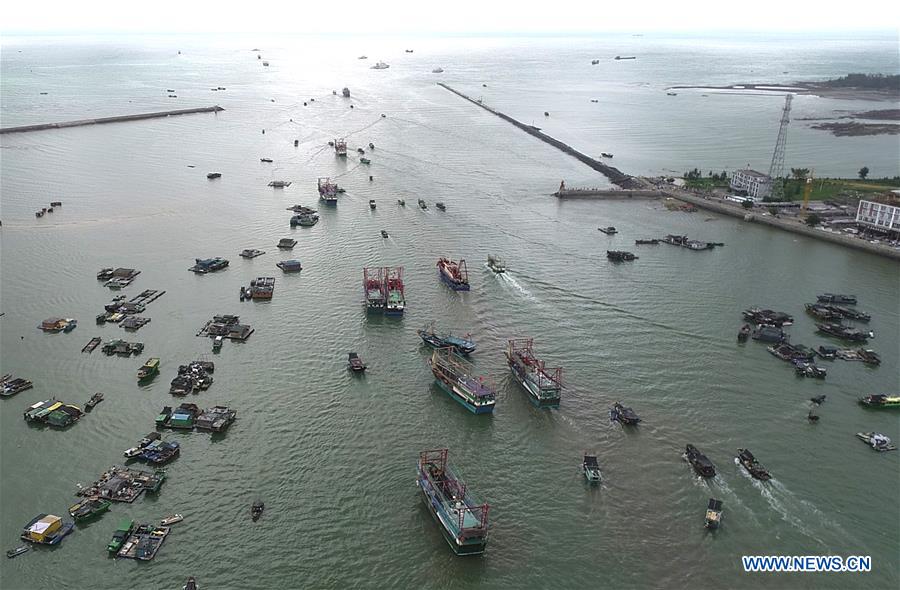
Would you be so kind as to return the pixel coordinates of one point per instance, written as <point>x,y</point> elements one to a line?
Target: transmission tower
<point>776,168</point>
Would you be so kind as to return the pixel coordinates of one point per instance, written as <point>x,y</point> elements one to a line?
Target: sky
<point>447,17</point>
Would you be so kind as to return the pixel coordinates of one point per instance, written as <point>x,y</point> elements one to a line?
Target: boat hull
<point>468,547</point>
<point>533,395</point>
<point>453,284</point>
<point>454,394</point>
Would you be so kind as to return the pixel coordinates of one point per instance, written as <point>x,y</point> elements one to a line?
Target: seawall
<point>615,175</point>
<point>786,224</point>
<point>102,120</point>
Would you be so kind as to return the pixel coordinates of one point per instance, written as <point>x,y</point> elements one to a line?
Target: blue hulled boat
<point>456,376</point>
<point>463,521</point>
<point>454,274</point>
<point>432,338</point>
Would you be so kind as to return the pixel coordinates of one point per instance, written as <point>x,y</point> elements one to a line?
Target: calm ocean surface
<point>333,456</point>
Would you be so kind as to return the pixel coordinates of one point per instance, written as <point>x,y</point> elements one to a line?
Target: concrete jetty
<point>609,194</point>
<point>615,175</point>
<point>118,119</point>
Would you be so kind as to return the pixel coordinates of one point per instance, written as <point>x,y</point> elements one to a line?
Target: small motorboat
<point>606,154</point>
<point>213,175</point>
<point>256,510</point>
<point>610,230</point>
<point>753,467</point>
<point>623,415</point>
<point>877,441</point>
<point>591,469</point>
<point>496,264</point>
<point>170,520</point>
<point>17,551</point>
<point>191,584</point>
<point>422,204</point>
<point>217,342</point>
<point>371,203</point>
<point>384,233</point>
<point>243,292</point>
<point>437,71</point>
<point>401,202</point>
<point>713,514</point>
<point>355,363</point>
<point>818,400</point>
<point>371,146</point>
<point>699,462</point>
<point>266,160</point>
<point>440,205</point>
<point>360,151</point>
<point>744,333</point>
<point>365,161</point>
<point>95,399</point>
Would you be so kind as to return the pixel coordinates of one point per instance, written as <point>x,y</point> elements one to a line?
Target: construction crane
<point>776,168</point>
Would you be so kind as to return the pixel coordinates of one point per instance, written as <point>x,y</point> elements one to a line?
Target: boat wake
<point>785,504</point>
<point>507,279</point>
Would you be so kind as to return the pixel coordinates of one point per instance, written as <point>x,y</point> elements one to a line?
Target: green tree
<point>812,220</point>
<point>863,172</point>
<point>747,204</point>
<point>799,173</point>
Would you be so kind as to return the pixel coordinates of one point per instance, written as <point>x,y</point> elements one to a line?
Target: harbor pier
<point>117,119</point>
<point>615,175</point>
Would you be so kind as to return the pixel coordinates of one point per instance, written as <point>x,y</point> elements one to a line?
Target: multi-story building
<point>752,183</point>
<point>872,215</point>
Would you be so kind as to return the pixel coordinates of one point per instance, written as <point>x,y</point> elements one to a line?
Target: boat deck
<point>144,542</point>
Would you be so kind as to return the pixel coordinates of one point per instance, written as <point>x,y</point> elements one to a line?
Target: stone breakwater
<point>118,119</point>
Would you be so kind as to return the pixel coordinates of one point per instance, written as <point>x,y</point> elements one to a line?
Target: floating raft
<point>90,346</point>
<point>226,326</point>
<point>123,484</point>
<point>144,542</point>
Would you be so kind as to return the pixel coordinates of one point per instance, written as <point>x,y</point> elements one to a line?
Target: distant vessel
<point>328,191</point>
<point>340,148</point>
<point>354,363</point>
<point>609,230</point>
<point>437,71</point>
<point>595,62</point>
<point>345,92</point>
<point>462,520</point>
<point>380,66</point>
<point>620,256</point>
<point>591,468</point>
<point>456,377</point>
<point>363,57</point>
<point>544,385</point>
<point>454,274</point>
<point>625,57</point>
<point>495,263</point>
<point>877,441</point>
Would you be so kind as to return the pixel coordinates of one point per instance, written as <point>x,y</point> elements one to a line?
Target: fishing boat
<point>429,336</point>
<point>401,202</point>
<point>744,333</point>
<point>768,334</point>
<point>95,399</point>
<point>371,203</point>
<point>384,233</point>
<point>844,332</point>
<point>618,57</point>
<point>365,161</point>
<point>286,243</point>
<point>328,192</point>
<point>289,265</point>
<point>422,204</point>
<point>454,274</point>
<point>340,150</point>
<point>149,370</point>
<point>266,160</point>
<point>543,385</point>
<point>191,584</point>
<point>437,71</point>
<point>457,378</point>
<point>213,175</point>
<point>124,529</point>
<point>46,529</point>
<point>753,467</point>
<point>620,256</point>
<point>89,508</point>
<point>440,205</point>
<point>256,510</point>
<point>591,469</point>
<point>756,315</point>
<point>606,154</point>
<point>355,364</point>
<point>92,344</point>
<point>10,386</point>
<point>495,263</point>
<point>609,230</point>
<point>395,292</point>
<point>345,92</point>
<point>836,298</point>
<point>713,513</point>
<point>217,343</point>
<point>463,520</point>
<point>877,441</point>
<point>17,551</point>
<point>652,241</point>
<point>807,369</point>
<point>280,183</point>
<point>699,462</point>
<point>170,520</point>
<point>373,289</point>
<point>595,62</point>
<point>305,219</point>
<point>881,401</point>
<point>380,66</point>
<point>623,415</point>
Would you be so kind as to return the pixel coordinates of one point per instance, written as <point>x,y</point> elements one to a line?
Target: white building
<point>878,216</point>
<point>755,184</point>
